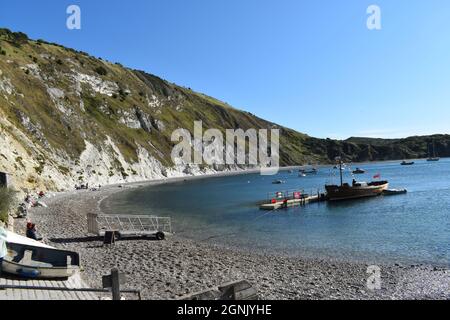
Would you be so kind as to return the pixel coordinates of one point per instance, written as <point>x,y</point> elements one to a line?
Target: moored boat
<point>27,258</point>
<point>359,171</point>
<point>312,171</point>
<point>356,190</point>
<point>432,155</point>
<point>407,163</point>
<point>391,192</point>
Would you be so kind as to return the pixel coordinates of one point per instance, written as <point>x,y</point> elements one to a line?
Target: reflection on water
<point>412,227</point>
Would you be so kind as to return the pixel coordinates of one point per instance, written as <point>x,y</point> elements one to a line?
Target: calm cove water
<point>406,228</point>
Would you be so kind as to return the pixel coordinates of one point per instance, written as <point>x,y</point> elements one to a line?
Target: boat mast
<point>340,170</point>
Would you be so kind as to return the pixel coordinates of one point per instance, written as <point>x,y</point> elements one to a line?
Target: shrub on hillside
<point>101,71</point>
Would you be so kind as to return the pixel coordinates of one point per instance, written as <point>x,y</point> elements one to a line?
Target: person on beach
<point>3,249</point>
<point>32,233</point>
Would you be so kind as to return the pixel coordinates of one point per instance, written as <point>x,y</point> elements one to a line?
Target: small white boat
<point>27,258</point>
<point>392,192</point>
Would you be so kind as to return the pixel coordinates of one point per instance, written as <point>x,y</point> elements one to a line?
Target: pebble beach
<point>178,266</point>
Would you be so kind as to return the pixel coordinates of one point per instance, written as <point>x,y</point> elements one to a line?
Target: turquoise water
<point>406,228</point>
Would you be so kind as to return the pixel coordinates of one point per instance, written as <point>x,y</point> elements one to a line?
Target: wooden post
<point>115,284</point>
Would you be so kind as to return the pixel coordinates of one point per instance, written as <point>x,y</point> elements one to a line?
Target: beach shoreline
<point>177,266</point>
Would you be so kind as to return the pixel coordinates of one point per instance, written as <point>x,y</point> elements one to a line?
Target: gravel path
<point>174,267</point>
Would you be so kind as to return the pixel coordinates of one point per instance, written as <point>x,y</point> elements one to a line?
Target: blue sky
<point>309,65</point>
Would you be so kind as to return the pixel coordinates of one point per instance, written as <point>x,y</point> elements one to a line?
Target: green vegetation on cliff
<point>63,100</point>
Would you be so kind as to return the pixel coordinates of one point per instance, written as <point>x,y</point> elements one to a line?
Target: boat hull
<point>36,272</point>
<point>30,259</point>
<point>347,192</point>
<point>393,192</point>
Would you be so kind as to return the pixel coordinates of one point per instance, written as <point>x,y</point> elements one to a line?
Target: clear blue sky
<point>309,65</point>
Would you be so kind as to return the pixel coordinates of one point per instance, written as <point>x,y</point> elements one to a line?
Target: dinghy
<point>27,258</point>
<point>392,192</point>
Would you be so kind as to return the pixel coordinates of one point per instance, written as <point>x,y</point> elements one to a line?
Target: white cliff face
<point>5,86</point>
<point>57,96</point>
<point>95,83</point>
<point>39,166</point>
<point>96,166</point>
<point>63,124</point>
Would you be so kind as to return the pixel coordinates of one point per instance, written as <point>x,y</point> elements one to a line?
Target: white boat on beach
<point>27,258</point>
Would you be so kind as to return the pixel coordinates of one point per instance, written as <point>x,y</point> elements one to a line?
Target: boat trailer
<point>129,225</point>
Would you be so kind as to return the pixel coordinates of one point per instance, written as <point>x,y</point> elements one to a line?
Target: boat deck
<point>74,282</point>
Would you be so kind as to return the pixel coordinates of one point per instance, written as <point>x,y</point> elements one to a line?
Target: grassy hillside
<point>68,117</point>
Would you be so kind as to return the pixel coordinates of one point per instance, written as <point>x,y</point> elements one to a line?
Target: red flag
<point>377,176</point>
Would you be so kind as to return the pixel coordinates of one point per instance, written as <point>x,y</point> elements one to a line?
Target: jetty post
<point>113,282</point>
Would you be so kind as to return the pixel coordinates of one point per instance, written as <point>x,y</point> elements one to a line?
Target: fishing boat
<point>406,163</point>
<point>31,259</point>
<point>356,190</point>
<point>359,171</point>
<point>432,155</point>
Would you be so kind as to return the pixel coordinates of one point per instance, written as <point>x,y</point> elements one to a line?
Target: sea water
<point>414,227</point>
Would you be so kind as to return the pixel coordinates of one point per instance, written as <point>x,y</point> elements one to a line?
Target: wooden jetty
<point>291,198</point>
<point>289,203</point>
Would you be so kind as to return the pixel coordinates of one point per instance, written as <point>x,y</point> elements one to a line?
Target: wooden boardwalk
<point>74,282</point>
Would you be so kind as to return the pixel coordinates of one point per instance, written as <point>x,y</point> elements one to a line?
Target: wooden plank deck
<point>74,282</point>
<point>290,203</point>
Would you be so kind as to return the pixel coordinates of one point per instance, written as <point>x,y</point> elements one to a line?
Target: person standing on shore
<point>3,249</point>
<point>32,233</point>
